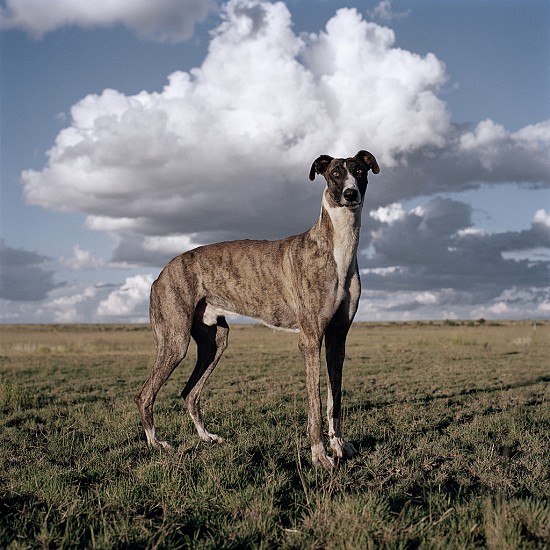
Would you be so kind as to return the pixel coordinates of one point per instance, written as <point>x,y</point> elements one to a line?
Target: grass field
<point>451,420</point>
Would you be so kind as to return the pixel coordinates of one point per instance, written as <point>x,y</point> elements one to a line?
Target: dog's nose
<point>351,195</point>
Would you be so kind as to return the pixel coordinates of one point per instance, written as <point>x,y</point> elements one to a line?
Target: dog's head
<point>346,178</point>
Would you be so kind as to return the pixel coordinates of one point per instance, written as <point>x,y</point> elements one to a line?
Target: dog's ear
<point>369,160</point>
<point>320,166</point>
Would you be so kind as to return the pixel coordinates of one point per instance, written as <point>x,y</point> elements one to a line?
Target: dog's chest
<point>345,238</point>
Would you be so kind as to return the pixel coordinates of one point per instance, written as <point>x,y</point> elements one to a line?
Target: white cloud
<point>66,309</point>
<point>106,223</point>
<point>486,141</point>
<point>390,270</point>
<point>170,245</point>
<point>500,308</point>
<point>81,259</point>
<point>542,217</point>
<point>431,259</point>
<point>132,298</point>
<point>199,158</point>
<point>471,231</point>
<point>160,20</point>
<point>223,151</point>
<point>388,214</point>
<point>403,305</point>
<point>371,88</point>
<point>516,303</point>
<point>63,304</point>
<point>384,11</point>
<point>529,254</point>
<point>426,298</point>
<point>535,136</point>
<point>486,134</point>
<point>498,149</point>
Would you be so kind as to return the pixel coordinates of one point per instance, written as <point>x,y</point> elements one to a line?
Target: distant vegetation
<point>451,420</point>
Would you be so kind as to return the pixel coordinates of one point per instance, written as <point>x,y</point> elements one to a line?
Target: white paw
<point>211,438</point>
<point>320,458</point>
<point>154,442</point>
<point>342,448</point>
<point>160,444</point>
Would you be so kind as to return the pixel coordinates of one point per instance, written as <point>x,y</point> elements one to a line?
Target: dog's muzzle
<point>351,195</point>
<point>351,198</point>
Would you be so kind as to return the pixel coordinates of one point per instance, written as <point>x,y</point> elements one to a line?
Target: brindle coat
<point>307,283</point>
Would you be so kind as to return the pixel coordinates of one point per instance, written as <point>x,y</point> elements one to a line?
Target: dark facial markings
<point>359,172</point>
<point>337,174</point>
<point>335,180</point>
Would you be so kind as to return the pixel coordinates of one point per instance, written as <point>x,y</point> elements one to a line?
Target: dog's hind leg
<point>211,343</point>
<point>169,354</point>
<point>171,324</point>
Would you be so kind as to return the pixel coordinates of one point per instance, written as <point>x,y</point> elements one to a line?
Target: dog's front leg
<point>335,343</point>
<point>310,346</point>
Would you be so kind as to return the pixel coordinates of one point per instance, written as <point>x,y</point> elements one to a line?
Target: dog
<point>307,283</point>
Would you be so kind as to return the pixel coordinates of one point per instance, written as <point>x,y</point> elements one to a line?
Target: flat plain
<point>451,420</point>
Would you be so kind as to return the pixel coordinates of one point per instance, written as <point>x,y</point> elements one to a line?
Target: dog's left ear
<point>320,166</point>
<point>369,160</point>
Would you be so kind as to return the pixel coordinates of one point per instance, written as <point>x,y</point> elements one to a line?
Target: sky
<point>132,131</point>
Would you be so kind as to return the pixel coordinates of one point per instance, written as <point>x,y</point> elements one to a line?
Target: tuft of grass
<point>451,420</point>
<point>13,398</point>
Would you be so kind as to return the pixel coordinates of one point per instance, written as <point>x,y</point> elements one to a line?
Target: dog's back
<point>258,279</point>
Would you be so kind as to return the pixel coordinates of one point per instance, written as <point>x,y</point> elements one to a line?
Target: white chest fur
<point>346,226</point>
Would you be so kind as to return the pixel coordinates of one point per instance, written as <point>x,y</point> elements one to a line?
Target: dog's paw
<point>320,459</point>
<point>154,442</point>
<point>324,461</point>
<point>160,444</point>
<point>212,439</point>
<point>342,448</point>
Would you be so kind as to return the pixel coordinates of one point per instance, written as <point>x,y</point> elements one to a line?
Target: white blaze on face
<point>349,183</point>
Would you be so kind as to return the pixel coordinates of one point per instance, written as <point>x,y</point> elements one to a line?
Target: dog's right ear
<point>320,166</point>
<point>369,160</point>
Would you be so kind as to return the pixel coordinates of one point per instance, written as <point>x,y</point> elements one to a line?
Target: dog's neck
<point>339,228</point>
<point>345,223</point>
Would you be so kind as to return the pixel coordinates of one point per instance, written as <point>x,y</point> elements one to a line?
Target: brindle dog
<point>307,283</point>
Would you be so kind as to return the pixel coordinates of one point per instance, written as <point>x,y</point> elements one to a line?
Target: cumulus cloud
<point>383,11</point>
<point>131,298</point>
<point>430,261</point>
<point>72,307</point>
<point>223,151</point>
<point>161,20</point>
<point>24,275</point>
<point>81,259</point>
<point>495,148</point>
<point>513,303</point>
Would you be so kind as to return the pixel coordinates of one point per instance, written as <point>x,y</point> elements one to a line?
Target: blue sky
<point>132,131</point>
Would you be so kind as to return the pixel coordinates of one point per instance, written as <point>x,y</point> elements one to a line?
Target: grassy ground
<point>451,420</point>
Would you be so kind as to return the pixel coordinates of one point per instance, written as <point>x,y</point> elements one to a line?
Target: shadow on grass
<point>369,405</point>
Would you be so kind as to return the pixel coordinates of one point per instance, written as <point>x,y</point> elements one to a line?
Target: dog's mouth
<point>351,205</point>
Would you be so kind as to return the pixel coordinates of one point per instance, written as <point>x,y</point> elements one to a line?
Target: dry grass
<point>451,420</point>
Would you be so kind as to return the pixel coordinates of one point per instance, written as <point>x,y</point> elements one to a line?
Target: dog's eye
<point>335,174</point>
<point>358,172</point>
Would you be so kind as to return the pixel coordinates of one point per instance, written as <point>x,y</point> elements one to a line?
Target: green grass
<point>451,420</point>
